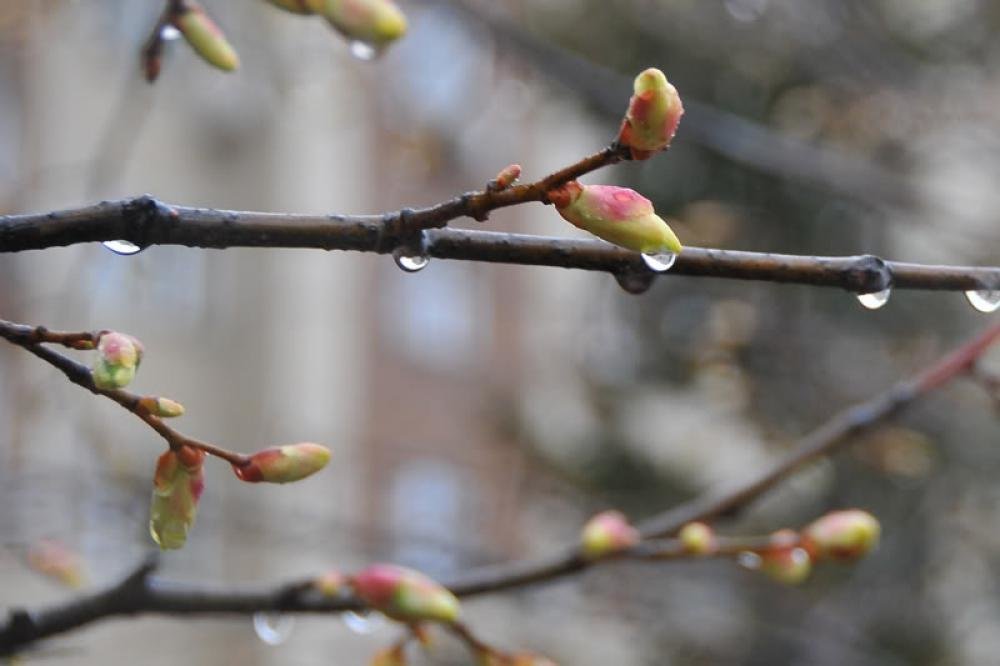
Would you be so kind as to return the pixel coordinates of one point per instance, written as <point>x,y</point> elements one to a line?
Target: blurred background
<point>481,413</point>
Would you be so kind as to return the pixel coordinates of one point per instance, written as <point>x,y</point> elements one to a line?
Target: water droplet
<point>169,33</point>
<point>364,622</point>
<point>876,299</point>
<point>985,300</point>
<point>363,50</point>
<point>748,560</point>
<point>800,556</point>
<point>410,262</point>
<point>635,282</point>
<point>659,262</point>
<point>122,247</point>
<point>273,628</point>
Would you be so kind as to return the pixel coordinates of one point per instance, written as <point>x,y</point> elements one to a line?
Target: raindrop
<point>363,50</point>
<point>876,299</point>
<point>364,622</point>
<point>635,282</point>
<point>169,33</point>
<point>122,247</point>
<point>409,262</point>
<point>800,556</point>
<point>985,300</point>
<point>748,560</point>
<point>659,262</point>
<point>273,628</point>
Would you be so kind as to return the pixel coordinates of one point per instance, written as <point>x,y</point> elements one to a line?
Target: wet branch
<point>143,593</point>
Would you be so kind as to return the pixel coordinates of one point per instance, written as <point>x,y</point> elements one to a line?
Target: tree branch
<point>146,594</point>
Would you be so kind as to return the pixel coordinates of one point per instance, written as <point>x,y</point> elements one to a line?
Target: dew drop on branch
<point>748,560</point>
<point>364,622</point>
<point>169,33</point>
<point>659,262</point>
<point>876,299</point>
<point>985,300</point>
<point>122,247</point>
<point>273,628</point>
<point>409,262</point>
<point>363,50</point>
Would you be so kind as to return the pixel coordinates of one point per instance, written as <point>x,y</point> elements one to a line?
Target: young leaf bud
<point>653,114</point>
<point>206,38</point>
<point>607,533</point>
<point>842,535</point>
<point>697,539</point>
<point>507,177</point>
<point>56,560</point>
<point>786,561</point>
<point>284,464</point>
<point>374,22</point>
<point>330,584</point>
<point>616,214</point>
<point>118,358</point>
<point>404,594</point>
<point>177,486</point>
<point>163,407</point>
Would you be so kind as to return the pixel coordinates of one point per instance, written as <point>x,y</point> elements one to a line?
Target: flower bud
<point>786,562</point>
<point>177,485</point>
<point>374,22</point>
<point>697,539</point>
<point>330,584</point>
<point>842,535</point>
<point>294,6</point>
<point>607,533</point>
<point>163,407</point>
<point>118,358</point>
<point>616,214</point>
<point>390,656</point>
<point>206,38</point>
<point>284,464</point>
<point>654,112</point>
<point>507,177</point>
<point>404,594</point>
<point>56,560</point>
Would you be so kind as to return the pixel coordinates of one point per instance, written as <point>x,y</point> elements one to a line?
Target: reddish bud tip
<point>842,535</point>
<point>653,114</point>
<point>284,464</point>
<point>607,533</point>
<point>697,539</point>
<point>507,177</point>
<point>404,594</point>
<point>330,584</point>
<point>57,561</point>
<point>785,560</point>
<point>177,486</point>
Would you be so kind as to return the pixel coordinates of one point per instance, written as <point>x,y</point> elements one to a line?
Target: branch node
<point>867,274</point>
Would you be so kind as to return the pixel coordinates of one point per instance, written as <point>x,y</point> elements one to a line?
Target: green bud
<point>842,535</point>
<point>607,533</point>
<point>177,486</point>
<point>653,114</point>
<point>404,594</point>
<point>294,6</point>
<point>374,22</point>
<point>206,38</point>
<point>284,464</point>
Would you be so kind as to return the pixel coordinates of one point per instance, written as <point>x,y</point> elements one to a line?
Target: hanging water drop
<point>748,560</point>
<point>659,262</point>
<point>169,33</point>
<point>985,300</point>
<point>273,628</point>
<point>363,50</point>
<point>410,262</point>
<point>635,282</point>
<point>122,247</point>
<point>364,622</point>
<point>875,299</point>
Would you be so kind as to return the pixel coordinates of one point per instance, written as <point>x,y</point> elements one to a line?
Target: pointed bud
<point>842,535</point>
<point>206,38</point>
<point>374,22</point>
<point>56,560</point>
<point>607,533</point>
<point>163,407</point>
<point>330,584</point>
<point>177,486</point>
<point>785,561</point>
<point>390,656</point>
<point>697,539</point>
<point>507,177</point>
<point>284,464</point>
<point>294,6</point>
<point>616,214</point>
<point>653,114</point>
<point>404,594</point>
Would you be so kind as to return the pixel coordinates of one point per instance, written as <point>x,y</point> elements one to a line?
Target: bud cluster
<point>118,358</point>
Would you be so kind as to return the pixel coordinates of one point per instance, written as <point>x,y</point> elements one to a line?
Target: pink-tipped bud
<point>330,584</point>
<point>206,38</point>
<point>607,533</point>
<point>284,464</point>
<point>404,594</point>
<point>57,561</point>
<point>616,214</point>
<point>653,114</point>
<point>118,358</point>
<point>374,22</point>
<point>177,486</point>
<point>785,560</point>
<point>842,535</point>
<point>390,656</point>
<point>507,177</point>
<point>294,6</point>
<point>165,408</point>
<point>697,539</point>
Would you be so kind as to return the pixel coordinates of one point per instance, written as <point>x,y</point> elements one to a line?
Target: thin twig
<point>23,628</point>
